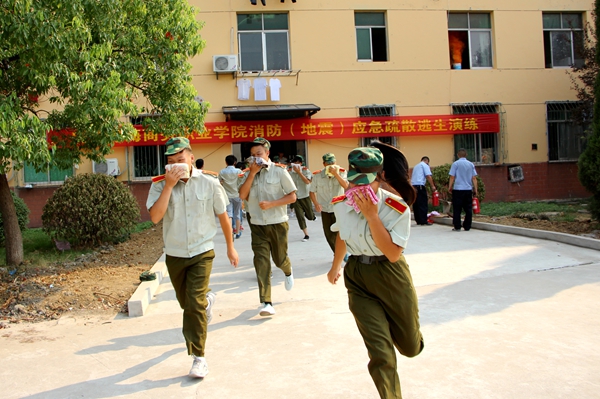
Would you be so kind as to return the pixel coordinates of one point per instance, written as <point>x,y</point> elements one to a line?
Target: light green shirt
<point>229,179</point>
<point>326,188</point>
<point>303,188</point>
<point>354,229</point>
<point>189,224</point>
<point>269,184</point>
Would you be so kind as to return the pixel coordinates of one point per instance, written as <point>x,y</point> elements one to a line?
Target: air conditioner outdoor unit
<point>515,174</point>
<point>109,167</point>
<point>225,63</point>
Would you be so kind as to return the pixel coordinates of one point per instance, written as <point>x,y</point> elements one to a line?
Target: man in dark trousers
<point>420,174</point>
<point>187,200</point>
<point>463,183</point>
<point>267,189</point>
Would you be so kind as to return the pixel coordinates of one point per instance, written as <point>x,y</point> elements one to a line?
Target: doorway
<point>282,151</point>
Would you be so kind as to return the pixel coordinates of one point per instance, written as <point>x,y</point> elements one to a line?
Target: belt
<point>367,260</point>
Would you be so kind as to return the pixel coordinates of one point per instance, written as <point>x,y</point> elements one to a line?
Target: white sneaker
<point>289,282</point>
<point>267,310</point>
<point>212,298</point>
<point>199,368</point>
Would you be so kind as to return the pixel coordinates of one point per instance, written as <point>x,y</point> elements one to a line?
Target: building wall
<point>417,80</point>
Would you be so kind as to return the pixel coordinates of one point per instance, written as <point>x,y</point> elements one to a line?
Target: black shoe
<point>455,229</point>
<point>305,238</point>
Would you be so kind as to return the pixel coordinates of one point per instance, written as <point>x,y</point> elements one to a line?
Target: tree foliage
<point>90,209</point>
<point>80,65</point>
<point>589,161</point>
<point>583,77</point>
<point>77,67</point>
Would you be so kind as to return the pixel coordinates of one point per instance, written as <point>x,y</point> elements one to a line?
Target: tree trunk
<point>13,240</point>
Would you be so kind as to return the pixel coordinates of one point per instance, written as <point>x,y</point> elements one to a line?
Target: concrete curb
<point>139,301</point>
<point>570,239</point>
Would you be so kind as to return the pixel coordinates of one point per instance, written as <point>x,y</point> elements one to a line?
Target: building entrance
<point>281,151</point>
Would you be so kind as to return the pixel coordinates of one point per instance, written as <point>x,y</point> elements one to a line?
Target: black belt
<point>367,260</point>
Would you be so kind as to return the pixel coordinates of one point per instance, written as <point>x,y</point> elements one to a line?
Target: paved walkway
<point>503,316</point>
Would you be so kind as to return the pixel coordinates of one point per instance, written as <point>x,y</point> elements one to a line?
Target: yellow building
<point>429,77</point>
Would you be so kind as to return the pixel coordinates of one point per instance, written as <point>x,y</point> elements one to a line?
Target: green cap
<point>364,163</point>
<point>177,144</point>
<point>329,158</point>
<point>298,158</point>
<point>262,141</point>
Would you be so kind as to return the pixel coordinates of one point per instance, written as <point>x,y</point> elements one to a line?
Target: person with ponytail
<point>373,225</point>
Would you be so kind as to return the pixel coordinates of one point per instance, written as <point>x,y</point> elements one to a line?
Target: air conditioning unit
<point>225,63</point>
<point>109,167</point>
<point>515,174</point>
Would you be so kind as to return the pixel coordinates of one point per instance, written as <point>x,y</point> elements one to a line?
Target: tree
<point>71,69</point>
<point>589,161</point>
<point>583,77</point>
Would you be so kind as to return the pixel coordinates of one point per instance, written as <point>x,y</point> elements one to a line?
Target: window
<point>52,174</point>
<point>375,111</point>
<point>149,161</point>
<point>563,39</point>
<point>470,40</point>
<point>371,41</point>
<point>263,42</point>
<point>482,148</point>
<point>566,140</point>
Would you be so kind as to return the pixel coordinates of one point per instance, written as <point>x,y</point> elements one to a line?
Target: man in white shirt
<point>421,172</point>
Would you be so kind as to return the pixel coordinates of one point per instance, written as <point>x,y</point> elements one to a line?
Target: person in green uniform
<point>375,230</point>
<point>326,184</point>
<point>267,188</point>
<point>303,206</point>
<point>187,200</point>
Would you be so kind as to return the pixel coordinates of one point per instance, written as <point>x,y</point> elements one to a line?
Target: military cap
<point>298,158</point>
<point>262,141</point>
<point>177,144</point>
<point>364,163</point>
<point>329,158</point>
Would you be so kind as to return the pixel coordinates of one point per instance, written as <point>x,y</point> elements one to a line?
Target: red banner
<point>335,128</point>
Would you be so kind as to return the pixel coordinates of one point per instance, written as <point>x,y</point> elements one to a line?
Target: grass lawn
<point>39,249</point>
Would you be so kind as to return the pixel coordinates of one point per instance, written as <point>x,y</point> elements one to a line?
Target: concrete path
<point>503,316</point>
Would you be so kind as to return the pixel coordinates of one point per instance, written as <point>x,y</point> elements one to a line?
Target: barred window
<point>369,111</point>
<point>482,148</point>
<point>149,161</point>
<point>566,139</point>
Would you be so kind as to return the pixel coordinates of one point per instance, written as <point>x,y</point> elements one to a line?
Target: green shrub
<point>441,178</point>
<point>22,215</point>
<point>91,209</point>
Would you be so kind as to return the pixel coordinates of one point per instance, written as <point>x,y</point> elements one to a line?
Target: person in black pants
<point>463,183</point>
<point>420,174</point>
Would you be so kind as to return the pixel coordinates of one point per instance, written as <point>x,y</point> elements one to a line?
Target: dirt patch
<point>100,282</point>
<point>582,226</point>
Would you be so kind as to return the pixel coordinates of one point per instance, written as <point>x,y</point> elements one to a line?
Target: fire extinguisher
<point>435,198</point>
<point>476,208</point>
